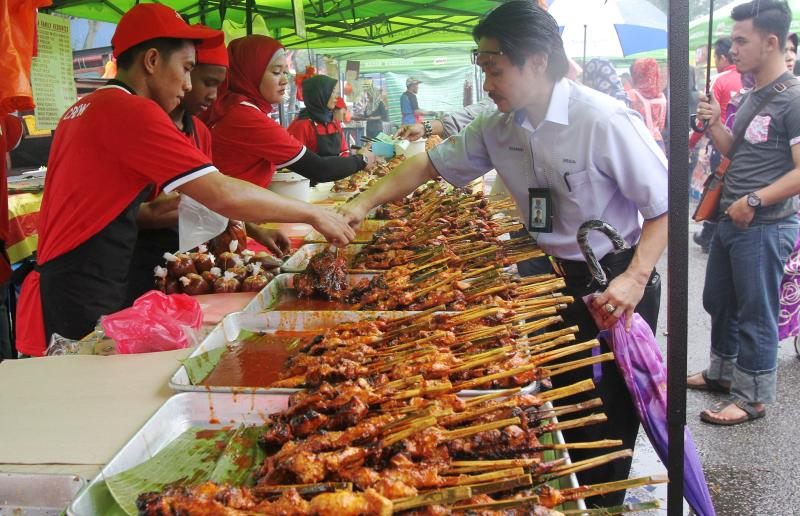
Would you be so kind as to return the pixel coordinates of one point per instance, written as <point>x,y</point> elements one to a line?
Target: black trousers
<point>622,423</point>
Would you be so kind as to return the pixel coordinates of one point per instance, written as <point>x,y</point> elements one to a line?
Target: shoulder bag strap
<point>776,89</point>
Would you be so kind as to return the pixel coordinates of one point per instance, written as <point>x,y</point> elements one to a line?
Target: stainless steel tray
<point>178,414</point>
<point>230,327</point>
<point>298,262</point>
<point>228,330</point>
<point>265,299</point>
<point>175,416</point>
<point>28,494</point>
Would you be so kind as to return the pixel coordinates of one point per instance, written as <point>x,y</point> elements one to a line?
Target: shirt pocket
<point>758,130</point>
<point>575,180</point>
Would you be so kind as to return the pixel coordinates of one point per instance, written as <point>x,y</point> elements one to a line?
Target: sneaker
<point>699,240</point>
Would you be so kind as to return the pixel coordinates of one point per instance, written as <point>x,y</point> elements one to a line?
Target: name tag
<point>540,216</point>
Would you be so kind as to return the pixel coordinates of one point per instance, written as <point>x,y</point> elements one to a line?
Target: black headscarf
<point>317,91</point>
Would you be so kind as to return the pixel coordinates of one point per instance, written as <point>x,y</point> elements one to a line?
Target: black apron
<point>91,280</point>
<point>327,144</point>
<point>151,244</point>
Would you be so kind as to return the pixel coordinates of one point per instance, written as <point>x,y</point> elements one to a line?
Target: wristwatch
<point>364,160</point>
<point>753,200</point>
<point>428,127</point>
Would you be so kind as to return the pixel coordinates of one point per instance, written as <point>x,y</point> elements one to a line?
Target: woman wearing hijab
<point>247,143</point>
<point>600,75</point>
<point>646,96</point>
<point>315,126</point>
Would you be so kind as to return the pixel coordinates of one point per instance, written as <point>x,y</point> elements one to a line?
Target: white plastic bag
<point>197,224</point>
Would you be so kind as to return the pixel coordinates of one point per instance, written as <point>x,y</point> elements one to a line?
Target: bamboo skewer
<point>569,390</point>
<point>576,423</point>
<point>459,433</point>
<point>438,497</point>
<point>491,396</point>
<point>577,364</point>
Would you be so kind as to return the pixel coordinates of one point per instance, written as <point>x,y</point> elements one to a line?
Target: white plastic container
<point>291,185</point>
<point>412,148</point>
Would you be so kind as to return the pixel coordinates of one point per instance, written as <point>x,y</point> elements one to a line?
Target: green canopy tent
<point>328,23</point>
<point>698,28</point>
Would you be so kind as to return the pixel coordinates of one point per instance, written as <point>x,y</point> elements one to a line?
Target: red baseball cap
<point>212,52</point>
<point>149,21</point>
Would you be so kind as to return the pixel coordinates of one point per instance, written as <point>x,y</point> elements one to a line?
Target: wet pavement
<point>752,468</point>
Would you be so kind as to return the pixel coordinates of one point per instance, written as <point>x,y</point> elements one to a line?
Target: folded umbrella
<point>642,367</point>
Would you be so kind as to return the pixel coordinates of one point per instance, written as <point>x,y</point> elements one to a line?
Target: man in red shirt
<point>727,83</point>
<point>158,219</point>
<point>109,151</point>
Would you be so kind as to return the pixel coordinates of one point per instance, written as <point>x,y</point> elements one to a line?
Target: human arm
<point>709,114</point>
<point>330,168</point>
<point>395,185</point>
<point>465,157</point>
<point>450,123</point>
<point>626,290</point>
<point>787,186</point>
<point>240,200</point>
<point>273,239</point>
<point>624,148</point>
<point>161,212</point>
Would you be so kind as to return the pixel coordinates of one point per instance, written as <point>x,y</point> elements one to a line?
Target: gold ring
<point>610,308</point>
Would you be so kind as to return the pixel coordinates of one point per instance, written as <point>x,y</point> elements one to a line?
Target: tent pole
<point>678,249</point>
<point>249,16</point>
<point>585,28</point>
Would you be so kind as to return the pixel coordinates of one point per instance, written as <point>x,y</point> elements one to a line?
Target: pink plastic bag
<point>155,322</point>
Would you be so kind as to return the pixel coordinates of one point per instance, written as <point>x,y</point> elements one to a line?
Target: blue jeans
<point>741,293</point>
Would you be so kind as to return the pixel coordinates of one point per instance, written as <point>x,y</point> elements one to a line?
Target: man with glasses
<point>588,157</point>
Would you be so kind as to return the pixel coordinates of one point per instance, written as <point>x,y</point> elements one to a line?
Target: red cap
<point>340,104</point>
<point>212,52</point>
<point>149,21</point>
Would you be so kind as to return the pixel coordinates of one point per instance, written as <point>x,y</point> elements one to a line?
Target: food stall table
<point>70,414</point>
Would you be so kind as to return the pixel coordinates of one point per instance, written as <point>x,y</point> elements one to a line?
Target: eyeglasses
<point>476,54</point>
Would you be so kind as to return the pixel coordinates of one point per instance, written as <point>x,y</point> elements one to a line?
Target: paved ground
<point>752,468</point>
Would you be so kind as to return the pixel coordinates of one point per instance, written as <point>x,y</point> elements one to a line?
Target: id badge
<point>540,217</point>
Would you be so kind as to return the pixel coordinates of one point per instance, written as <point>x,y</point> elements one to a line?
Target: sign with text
<point>52,78</point>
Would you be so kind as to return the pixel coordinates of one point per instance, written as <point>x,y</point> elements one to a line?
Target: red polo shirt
<point>306,130</point>
<point>107,148</point>
<point>726,84</point>
<point>250,146</point>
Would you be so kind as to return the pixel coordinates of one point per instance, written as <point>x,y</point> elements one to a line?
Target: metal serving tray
<point>370,225</point>
<point>265,299</point>
<point>175,416</point>
<point>37,494</point>
<point>187,410</point>
<point>298,262</point>
<point>230,327</point>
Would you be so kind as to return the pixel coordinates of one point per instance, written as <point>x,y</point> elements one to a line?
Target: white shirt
<point>594,154</point>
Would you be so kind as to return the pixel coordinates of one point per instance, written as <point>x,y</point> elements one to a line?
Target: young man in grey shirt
<point>757,222</point>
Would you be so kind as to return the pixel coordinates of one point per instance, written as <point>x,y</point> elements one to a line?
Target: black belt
<point>579,270</point>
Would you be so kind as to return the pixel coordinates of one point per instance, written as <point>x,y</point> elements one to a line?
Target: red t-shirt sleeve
<point>160,154</point>
<point>303,131</point>
<point>263,137</point>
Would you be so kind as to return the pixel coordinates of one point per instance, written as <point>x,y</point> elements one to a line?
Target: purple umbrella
<point>642,366</point>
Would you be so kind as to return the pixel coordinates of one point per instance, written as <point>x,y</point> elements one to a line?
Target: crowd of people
<point>195,123</point>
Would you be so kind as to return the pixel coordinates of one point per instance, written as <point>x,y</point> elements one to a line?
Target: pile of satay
<point>379,427</point>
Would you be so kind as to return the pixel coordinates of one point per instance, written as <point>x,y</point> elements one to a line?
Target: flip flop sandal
<point>710,385</point>
<point>751,413</point>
